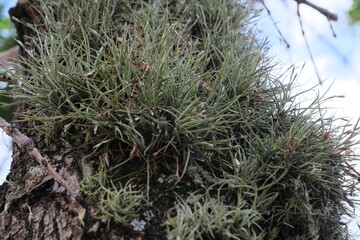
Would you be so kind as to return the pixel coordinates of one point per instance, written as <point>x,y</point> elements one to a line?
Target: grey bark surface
<point>39,207</point>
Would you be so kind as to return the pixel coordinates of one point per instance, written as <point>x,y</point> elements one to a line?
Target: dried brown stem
<point>353,169</point>
<point>27,144</point>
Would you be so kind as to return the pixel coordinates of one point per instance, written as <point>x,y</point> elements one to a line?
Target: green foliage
<point>6,24</point>
<point>209,218</point>
<point>118,203</point>
<point>178,99</point>
<point>7,32</point>
<point>354,13</point>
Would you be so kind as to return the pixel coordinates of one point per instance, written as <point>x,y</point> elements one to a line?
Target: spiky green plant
<point>178,99</point>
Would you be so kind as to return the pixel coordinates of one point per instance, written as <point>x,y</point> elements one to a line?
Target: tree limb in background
<point>27,144</point>
<point>329,15</point>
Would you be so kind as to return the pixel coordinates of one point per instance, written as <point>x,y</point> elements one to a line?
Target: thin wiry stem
<point>273,20</point>
<point>308,46</point>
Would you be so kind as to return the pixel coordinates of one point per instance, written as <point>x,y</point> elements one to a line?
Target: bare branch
<point>27,144</point>
<point>329,15</point>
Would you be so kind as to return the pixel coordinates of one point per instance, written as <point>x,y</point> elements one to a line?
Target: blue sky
<point>7,4</point>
